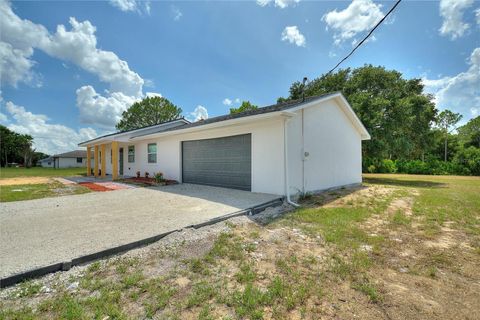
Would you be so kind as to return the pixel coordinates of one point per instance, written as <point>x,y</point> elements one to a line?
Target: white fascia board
<point>213,125</point>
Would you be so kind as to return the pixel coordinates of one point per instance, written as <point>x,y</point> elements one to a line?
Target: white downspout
<point>285,147</point>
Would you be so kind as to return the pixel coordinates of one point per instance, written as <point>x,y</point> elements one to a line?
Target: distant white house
<point>72,159</point>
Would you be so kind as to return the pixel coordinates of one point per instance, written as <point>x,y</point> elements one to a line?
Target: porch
<point>108,161</point>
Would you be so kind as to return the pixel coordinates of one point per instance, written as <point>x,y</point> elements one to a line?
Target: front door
<point>120,159</point>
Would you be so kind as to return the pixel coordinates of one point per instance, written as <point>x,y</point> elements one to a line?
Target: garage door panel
<point>224,162</point>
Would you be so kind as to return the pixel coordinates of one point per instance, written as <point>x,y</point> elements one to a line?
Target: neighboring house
<point>284,149</point>
<point>76,158</point>
<point>46,163</point>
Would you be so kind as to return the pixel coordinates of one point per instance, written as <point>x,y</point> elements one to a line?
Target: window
<point>131,154</point>
<point>152,153</point>
<point>79,160</point>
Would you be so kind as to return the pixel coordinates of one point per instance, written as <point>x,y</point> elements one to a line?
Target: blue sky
<point>69,69</point>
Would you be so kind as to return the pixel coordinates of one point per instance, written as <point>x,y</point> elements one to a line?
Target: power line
<point>364,39</point>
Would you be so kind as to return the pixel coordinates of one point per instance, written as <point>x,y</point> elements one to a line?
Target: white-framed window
<point>79,160</point>
<point>152,153</point>
<point>131,154</point>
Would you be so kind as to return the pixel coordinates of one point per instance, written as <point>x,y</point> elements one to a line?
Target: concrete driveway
<point>41,232</point>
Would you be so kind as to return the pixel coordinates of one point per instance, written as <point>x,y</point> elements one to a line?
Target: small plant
<point>29,288</point>
<point>138,174</point>
<point>159,177</point>
<point>146,174</point>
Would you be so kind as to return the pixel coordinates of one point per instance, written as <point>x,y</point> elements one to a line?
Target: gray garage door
<point>224,162</point>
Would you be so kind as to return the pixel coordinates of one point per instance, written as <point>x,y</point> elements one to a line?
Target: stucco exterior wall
<point>267,153</point>
<point>333,146</point>
<point>69,163</point>
<point>323,131</point>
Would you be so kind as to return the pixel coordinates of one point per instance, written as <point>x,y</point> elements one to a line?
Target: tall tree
<point>393,109</point>
<point>469,134</point>
<point>446,121</point>
<point>14,147</point>
<point>149,111</point>
<point>245,106</point>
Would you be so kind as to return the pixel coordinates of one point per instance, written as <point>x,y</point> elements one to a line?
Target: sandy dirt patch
<point>404,205</point>
<point>24,180</point>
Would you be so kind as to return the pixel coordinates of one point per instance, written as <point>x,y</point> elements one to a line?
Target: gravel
<point>40,232</point>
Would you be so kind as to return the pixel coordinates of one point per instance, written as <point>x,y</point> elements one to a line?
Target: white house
<point>71,159</point>
<point>284,149</point>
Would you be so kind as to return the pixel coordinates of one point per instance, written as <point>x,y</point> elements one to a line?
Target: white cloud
<point>282,4</point>
<point>200,113</point>
<point>131,5</point>
<point>153,94</point>
<point>124,5</point>
<point>3,118</point>
<point>77,45</point>
<point>460,92</point>
<point>293,35</point>
<point>230,102</point>
<point>359,16</point>
<point>474,112</point>
<point>48,137</point>
<point>176,13</point>
<point>452,14</point>
<point>103,111</point>
<point>16,66</point>
<point>477,15</point>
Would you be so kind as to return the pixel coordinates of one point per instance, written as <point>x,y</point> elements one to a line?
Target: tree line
<point>16,148</point>
<point>408,133</point>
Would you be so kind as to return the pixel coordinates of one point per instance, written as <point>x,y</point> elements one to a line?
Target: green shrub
<point>466,162</point>
<point>159,177</point>
<point>387,166</point>
<point>470,159</point>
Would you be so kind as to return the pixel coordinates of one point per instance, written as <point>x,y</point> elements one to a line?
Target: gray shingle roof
<point>72,154</point>
<point>272,108</point>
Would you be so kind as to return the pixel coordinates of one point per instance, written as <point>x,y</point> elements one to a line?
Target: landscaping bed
<point>147,182</point>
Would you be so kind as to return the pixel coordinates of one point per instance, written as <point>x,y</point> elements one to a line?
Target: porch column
<point>89,156</point>
<point>114,160</point>
<point>95,161</point>
<point>104,163</point>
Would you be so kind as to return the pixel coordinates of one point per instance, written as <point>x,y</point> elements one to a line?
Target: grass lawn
<point>37,191</point>
<point>400,247</point>
<point>40,172</point>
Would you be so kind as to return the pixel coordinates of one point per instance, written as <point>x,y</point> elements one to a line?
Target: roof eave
<point>114,136</point>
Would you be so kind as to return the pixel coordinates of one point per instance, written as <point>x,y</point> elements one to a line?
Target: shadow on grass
<point>404,183</point>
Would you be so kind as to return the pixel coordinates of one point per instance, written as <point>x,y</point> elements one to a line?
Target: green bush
<point>387,166</point>
<point>466,162</point>
<point>469,158</point>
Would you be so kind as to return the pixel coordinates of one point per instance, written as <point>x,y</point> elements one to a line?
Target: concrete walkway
<point>40,232</point>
